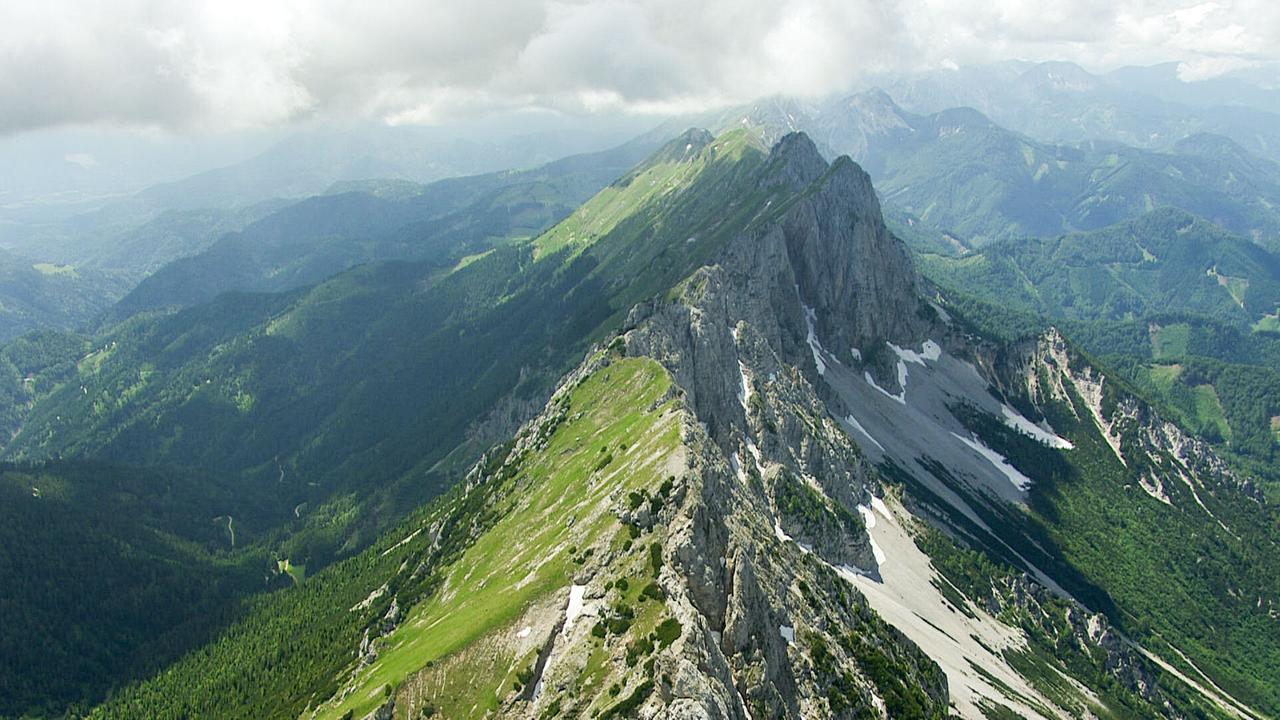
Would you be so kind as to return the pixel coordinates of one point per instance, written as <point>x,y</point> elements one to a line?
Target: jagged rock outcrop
<point>1049,369</point>
<point>819,269</point>
<point>822,266</point>
<point>1021,599</point>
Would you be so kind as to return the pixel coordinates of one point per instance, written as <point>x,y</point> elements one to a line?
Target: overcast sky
<point>227,64</point>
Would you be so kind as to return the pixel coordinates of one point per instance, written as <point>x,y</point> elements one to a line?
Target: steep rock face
<point>819,269</point>
<point>766,629</point>
<point>817,292</point>
<point>820,272</point>
<point>857,278</point>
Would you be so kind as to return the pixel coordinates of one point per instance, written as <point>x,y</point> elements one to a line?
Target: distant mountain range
<point>1165,262</point>
<point>41,295</point>
<point>1149,107</point>
<point>972,181</point>
<point>356,223</point>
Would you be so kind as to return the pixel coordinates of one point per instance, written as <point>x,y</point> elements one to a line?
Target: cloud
<point>236,63</point>
<point>83,160</point>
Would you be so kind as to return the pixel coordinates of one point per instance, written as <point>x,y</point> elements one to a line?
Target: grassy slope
<point>527,555</point>
<point>292,648</point>
<point>371,378</point>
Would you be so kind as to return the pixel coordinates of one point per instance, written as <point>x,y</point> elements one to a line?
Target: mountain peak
<point>795,161</point>
<point>961,117</point>
<point>875,101</point>
<point>1212,145</point>
<point>684,146</point>
<point>857,277</point>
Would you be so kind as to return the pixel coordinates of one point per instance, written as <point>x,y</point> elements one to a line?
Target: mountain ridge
<point>778,479</point>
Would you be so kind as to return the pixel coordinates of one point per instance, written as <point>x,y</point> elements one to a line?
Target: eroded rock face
<point>1090,632</point>
<point>766,503</point>
<point>858,278</point>
<point>819,271</point>
<point>1049,369</point>
<point>766,461</point>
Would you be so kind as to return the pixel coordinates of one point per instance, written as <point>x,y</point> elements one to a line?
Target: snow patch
<point>868,517</point>
<point>930,351</point>
<point>905,594</point>
<point>576,595</point>
<point>877,552</point>
<point>857,354</point>
<point>812,338</point>
<point>902,376</point>
<point>744,392</point>
<point>1019,422</point>
<point>788,633</point>
<point>1020,481</point>
<point>853,422</point>
<point>784,537</point>
<point>524,633</point>
<point>869,520</point>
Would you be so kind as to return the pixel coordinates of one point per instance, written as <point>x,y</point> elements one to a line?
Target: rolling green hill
<point>38,295</point>
<point>1166,261</point>
<point>313,239</point>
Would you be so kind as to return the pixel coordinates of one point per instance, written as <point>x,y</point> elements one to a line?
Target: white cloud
<point>84,160</point>
<point>236,63</point>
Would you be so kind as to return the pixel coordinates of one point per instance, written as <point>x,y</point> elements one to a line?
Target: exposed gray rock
<point>1089,631</point>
